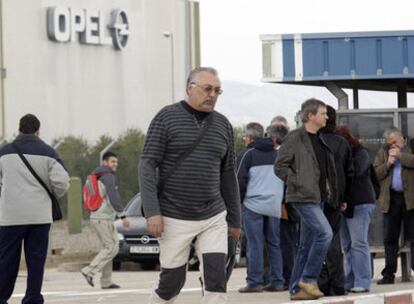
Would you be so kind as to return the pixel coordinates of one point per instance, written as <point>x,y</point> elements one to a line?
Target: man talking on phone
<point>394,165</point>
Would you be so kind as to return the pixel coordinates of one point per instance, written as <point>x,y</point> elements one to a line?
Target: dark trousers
<point>288,242</point>
<point>396,215</point>
<point>332,278</point>
<point>35,239</point>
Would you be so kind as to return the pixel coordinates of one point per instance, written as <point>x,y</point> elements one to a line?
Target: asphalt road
<point>70,287</point>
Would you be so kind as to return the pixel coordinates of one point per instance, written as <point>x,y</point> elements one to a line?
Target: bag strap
<point>26,162</point>
<point>186,153</point>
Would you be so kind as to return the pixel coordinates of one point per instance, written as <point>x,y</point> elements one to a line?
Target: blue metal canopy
<point>360,60</point>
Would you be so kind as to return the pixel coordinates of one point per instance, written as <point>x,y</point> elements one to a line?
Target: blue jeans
<point>260,229</point>
<point>315,238</point>
<point>357,258</point>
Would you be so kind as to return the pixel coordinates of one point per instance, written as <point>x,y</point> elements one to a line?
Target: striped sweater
<point>205,183</point>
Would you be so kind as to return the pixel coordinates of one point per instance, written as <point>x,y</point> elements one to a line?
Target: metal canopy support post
<point>402,94</point>
<point>356,97</point>
<point>339,94</point>
<point>405,266</point>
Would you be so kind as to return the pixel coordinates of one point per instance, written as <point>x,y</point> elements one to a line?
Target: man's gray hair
<point>255,130</point>
<point>193,74</point>
<point>279,120</point>
<point>310,106</point>
<point>392,130</point>
<point>277,133</point>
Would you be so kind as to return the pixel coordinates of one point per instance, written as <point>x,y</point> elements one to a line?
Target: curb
<point>396,297</point>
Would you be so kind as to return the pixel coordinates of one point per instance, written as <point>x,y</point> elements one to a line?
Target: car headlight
<point>121,237</point>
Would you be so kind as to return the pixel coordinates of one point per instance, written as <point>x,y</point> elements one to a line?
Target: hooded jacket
<point>112,206</point>
<point>260,188</point>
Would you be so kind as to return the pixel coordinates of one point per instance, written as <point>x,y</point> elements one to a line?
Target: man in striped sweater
<point>199,198</point>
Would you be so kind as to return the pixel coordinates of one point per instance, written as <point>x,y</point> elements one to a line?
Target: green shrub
<point>81,158</point>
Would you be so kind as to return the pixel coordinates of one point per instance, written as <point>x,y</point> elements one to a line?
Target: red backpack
<point>92,199</point>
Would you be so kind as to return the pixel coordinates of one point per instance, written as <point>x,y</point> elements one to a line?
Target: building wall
<point>91,90</point>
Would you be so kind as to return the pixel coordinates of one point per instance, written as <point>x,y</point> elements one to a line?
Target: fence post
<point>50,246</point>
<point>75,206</point>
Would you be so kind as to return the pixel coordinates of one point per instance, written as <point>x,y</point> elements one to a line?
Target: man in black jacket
<point>307,166</point>
<point>332,280</point>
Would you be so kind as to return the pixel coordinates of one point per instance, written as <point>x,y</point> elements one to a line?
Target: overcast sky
<point>230,29</point>
<point>230,42</point>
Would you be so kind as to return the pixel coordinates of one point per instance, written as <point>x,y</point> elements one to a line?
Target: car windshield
<point>134,206</point>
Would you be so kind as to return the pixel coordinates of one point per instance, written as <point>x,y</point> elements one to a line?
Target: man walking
<point>394,165</point>
<point>261,209</point>
<point>26,208</point>
<point>102,222</point>
<point>196,196</point>
<point>307,166</point>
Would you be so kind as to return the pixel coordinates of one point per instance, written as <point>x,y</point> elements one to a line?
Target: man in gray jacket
<point>307,166</point>
<point>102,222</point>
<point>26,208</point>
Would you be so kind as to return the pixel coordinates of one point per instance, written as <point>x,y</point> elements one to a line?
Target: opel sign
<point>66,24</point>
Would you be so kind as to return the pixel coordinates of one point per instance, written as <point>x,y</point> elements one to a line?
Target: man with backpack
<point>102,198</point>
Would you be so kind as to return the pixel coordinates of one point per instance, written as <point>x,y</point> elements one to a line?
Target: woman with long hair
<point>361,204</point>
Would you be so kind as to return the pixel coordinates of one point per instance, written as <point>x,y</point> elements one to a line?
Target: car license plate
<point>144,249</point>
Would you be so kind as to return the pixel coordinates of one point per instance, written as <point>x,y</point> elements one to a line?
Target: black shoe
<point>88,279</point>
<point>250,289</point>
<point>112,286</point>
<point>336,293</point>
<point>385,281</point>
<point>271,288</point>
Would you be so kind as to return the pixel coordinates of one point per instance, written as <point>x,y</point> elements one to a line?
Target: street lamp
<point>105,150</point>
<point>171,36</point>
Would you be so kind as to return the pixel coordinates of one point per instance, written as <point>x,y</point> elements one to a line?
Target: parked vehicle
<point>135,244</point>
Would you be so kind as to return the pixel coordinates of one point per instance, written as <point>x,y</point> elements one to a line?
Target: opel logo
<point>119,28</point>
<point>66,24</point>
<point>145,239</point>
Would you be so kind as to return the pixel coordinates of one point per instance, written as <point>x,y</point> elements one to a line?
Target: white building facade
<point>93,67</point>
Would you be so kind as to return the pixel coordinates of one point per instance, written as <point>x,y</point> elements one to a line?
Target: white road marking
<point>100,293</point>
